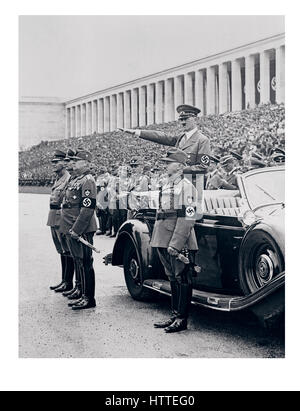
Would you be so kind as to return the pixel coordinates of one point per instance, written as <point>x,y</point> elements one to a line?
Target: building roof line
<point>178,67</point>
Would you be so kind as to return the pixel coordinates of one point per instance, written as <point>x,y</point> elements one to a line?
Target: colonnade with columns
<point>230,81</point>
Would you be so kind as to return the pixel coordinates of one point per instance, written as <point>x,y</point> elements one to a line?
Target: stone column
<point>223,88</point>
<point>134,108</point>
<point>127,110</point>
<point>77,119</point>
<point>199,90</point>
<point>106,114</point>
<point>68,121</point>
<point>94,116</point>
<point>82,122</point>
<point>158,102</point>
<point>88,119</point>
<point>72,121</point>
<point>120,110</point>
<point>236,81</point>
<point>142,106</point>
<point>188,89</point>
<point>150,104</point>
<point>100,116</point>
<point>169,101</point>
<point>250,81</point>
<point>211,90</point>
<point>265,77</point>
<point>280,74</point>
<point>113,112</point>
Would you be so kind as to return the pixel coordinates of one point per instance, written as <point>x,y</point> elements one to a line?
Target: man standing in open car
<point>174,237</point>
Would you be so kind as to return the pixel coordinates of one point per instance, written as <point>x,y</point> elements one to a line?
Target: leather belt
<point>54,207</point>
<point>163,215</point>
<point>67,205</point>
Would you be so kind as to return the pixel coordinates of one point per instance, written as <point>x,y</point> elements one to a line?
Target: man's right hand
<point>127,130</point>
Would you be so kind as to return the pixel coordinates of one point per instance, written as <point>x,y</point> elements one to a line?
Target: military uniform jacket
<point>178,196</point>
<point>56,197</point>
<point>231,178</point>
<point>78,207</point>
<point>195,147</point>
<point>102,195</point>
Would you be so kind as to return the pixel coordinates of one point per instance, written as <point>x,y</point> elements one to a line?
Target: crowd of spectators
<point>259,130</point>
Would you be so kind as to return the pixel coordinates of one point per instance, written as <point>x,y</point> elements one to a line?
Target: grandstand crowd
<point>257,131</point>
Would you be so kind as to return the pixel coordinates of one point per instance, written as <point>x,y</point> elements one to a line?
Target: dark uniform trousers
<point>83,259</point>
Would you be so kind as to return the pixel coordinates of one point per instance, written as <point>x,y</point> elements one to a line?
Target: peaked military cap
<point>279,151</point>
<point>185,111</point>
<point>215,159</point>
<point>256,162</point>
<point>175,155</point>
<point>58,156</point>
<point>279,158</point>
<point>83,155</point>
<point>226,160</point>
<point>70,154</point>
<point>236,155</point>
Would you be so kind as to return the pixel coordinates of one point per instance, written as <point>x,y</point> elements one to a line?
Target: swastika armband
<point>87,202</point>
<point>205,160</point>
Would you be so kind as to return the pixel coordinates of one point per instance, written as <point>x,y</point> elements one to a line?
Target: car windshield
<point>265,188</point>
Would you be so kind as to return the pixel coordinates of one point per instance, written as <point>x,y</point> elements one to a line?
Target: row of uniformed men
<point>71,217</point>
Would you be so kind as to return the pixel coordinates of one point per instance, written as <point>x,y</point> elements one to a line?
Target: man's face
<point>172,168</point>
<point>69,165</point>
<point>79,165</point>
<point>188,124</point>
<point>58,166</point>
<point>212,167</point>
<point>229,166</point>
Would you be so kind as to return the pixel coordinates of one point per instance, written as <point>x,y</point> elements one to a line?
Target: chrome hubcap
<point>264,269</point>
<point>134,269</point>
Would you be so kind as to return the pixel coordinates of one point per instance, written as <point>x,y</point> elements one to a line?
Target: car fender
<point>273,228</point>
<point>138,232</point>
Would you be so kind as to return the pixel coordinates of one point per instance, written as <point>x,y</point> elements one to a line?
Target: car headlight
<point>248,218</point>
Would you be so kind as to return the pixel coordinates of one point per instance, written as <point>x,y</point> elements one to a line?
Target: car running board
<point>221,302</point>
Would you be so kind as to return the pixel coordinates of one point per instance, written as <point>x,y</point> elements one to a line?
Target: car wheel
<point>134,276</point>
<point>260,261</point>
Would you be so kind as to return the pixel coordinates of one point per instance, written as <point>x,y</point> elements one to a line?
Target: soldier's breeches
<point>56,237</point>
<point>173,268</point>
<point>83,257</point>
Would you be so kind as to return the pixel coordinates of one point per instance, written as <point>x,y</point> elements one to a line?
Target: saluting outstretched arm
<point>152,135</point>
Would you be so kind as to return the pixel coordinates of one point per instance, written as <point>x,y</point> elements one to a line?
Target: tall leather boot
<point>174,306</point>
<point>185,298</point>
<point>69,274</point>
<point>76,293</point>
<point>63,268</point>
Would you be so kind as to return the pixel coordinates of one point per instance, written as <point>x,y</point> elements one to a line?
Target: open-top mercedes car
<point>240,262</point>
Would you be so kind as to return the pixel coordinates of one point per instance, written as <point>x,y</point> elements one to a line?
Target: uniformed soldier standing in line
<point>174,232</point>
<point>78,219</point>
<point>54,217</point>
<point>102,200</point>
<point>73,294</point>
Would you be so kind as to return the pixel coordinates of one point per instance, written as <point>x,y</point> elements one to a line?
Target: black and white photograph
<point>148,220</point>
<point>152,187</point>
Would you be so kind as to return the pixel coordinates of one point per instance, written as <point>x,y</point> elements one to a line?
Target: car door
<point>219,239</point>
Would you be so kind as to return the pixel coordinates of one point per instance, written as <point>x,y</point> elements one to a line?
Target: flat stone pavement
<point>119,327</point>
